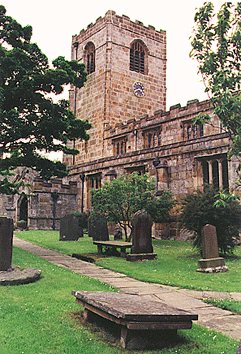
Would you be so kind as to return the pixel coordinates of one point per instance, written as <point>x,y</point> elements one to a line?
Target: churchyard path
<point>209,316</point>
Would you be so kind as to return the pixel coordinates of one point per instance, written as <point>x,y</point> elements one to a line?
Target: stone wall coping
<point>54,185</point>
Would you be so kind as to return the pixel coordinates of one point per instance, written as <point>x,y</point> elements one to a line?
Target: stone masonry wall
<point>50,201</point>
<point>46,202</point>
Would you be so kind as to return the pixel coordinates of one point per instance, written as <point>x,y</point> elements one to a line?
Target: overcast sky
<point>55,21</point>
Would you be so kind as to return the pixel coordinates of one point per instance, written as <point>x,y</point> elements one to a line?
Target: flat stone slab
<point>19,276</point>
<point>133,308</point>
<point>143,323</point>
<point>113,246</point>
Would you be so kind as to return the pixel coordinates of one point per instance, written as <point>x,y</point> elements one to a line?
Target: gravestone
<point>117,234</point>
<point>6,243</point>
<point>97,227</point>
<point>141,237</point>
<point>70,229</point>
<point>211,262</point>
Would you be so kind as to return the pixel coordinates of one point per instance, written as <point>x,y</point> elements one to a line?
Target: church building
<point>124,99</point>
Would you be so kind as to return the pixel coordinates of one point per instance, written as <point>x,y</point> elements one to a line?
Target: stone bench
<point>142,324</point>
<point>113,246</point>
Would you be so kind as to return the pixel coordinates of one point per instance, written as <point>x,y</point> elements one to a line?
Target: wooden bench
<point>142,323</point>
<point>112,246</point>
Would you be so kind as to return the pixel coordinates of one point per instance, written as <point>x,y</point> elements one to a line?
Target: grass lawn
<point>226,304</point>
<point>39,318</point>
<point>36,318</point>
<point>175,265</point>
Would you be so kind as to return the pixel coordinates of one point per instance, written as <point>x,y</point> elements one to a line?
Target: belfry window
<point>90,57</point>
<point>138,57</point>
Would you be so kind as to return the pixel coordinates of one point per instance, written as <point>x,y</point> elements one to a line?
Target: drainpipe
<point>55,197</point>
<point>76,45</point>
<point>82,177</point>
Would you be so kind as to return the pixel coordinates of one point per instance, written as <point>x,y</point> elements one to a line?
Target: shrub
<point>222,210</point>
<point>121,198</point>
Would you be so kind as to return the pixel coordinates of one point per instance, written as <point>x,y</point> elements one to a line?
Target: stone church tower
<point>126,65</point>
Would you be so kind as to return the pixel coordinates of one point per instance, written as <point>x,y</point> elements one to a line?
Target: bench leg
<point>124,337</point>
<point>131,339</point>
<point>99,247</point>
<point>86,315</point>
<point>146,339</point>
<point>123,252</point>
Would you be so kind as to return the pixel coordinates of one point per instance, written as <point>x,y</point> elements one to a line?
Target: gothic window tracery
<point>138,57</point>
<point>119,146</point>
<point>152,138</point>
<point>90,57</point>
<point>192,131</point>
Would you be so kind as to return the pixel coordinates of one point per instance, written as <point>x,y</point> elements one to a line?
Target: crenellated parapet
<point>163,128</point>
<point>124,22</point>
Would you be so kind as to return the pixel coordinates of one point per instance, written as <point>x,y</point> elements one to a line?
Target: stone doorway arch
<point>23,210</point>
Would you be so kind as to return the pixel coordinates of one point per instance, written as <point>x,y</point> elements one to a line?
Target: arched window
<point>138,57</point>
<point>90,57</point>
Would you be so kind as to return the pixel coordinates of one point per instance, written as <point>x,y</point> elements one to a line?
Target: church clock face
<point>138,89</point>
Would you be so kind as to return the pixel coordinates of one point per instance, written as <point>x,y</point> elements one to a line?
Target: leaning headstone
<point>6,243</point>
<point>70,229</point>
<point>117,234</point>
<point>97,227</point>
<point>211,262</point>
<point>141,237</point>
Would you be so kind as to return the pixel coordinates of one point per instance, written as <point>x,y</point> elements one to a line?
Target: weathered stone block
<point>211,263</point>
<point>6,243</point>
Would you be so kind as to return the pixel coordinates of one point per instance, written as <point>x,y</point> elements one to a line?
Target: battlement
<point>124,22</point>
<point>54,185</point>
<point>159,117</point>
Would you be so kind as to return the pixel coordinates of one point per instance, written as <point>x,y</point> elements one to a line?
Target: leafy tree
<point>216,45</point>
<point>121,198</point>
<point>30,121</point>
<point>222,210</point>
